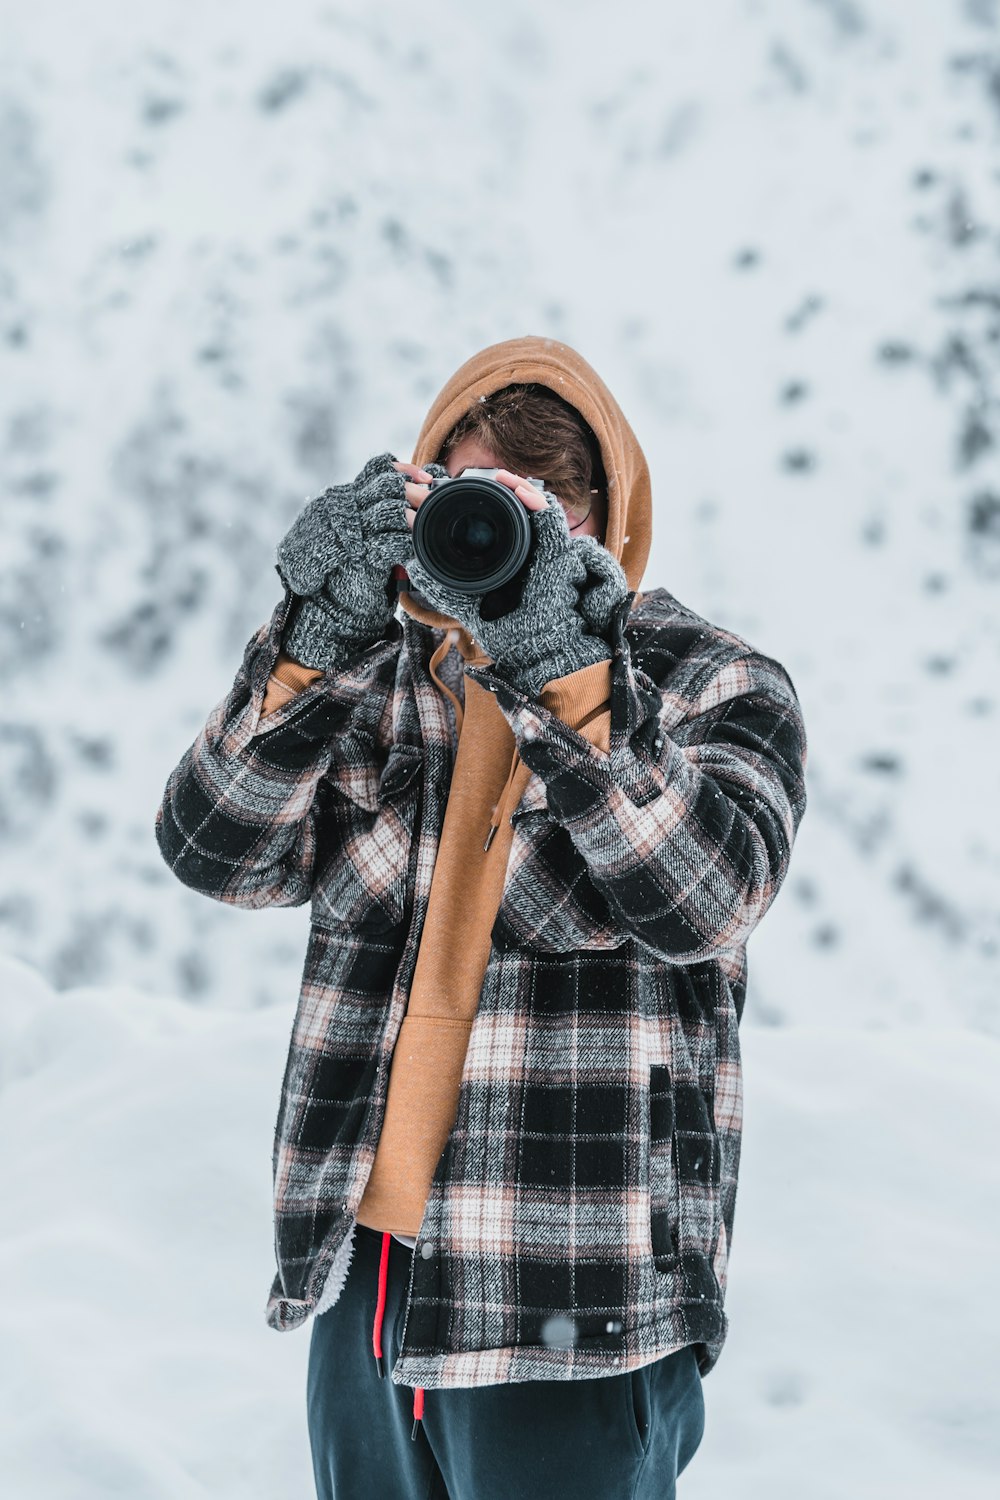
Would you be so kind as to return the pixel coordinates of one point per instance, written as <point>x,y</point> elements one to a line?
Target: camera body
<point>473,534</point>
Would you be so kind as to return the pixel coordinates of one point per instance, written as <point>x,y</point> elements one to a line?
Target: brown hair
<point>534,432</point>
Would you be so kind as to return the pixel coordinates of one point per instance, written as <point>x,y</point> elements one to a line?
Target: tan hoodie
<point>488,781</point>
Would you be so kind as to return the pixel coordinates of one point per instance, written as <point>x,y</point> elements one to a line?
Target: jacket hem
<point>705,1327</point>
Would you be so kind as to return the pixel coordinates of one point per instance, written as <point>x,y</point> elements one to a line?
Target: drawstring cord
<point>383,1270</point>
<point>502,800</point>
<point>383,1276</point>
<point>441,651</point>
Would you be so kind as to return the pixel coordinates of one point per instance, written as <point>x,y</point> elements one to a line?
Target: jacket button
<point>426,1249</point>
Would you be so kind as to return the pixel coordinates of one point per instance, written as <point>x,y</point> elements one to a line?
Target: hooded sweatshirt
<point>488,782</point>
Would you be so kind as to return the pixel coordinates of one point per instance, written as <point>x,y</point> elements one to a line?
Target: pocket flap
<point>401,767</point>
<point>356,775</point>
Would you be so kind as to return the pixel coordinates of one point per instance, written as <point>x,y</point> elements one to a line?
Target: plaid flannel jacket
<point>580,1218</point>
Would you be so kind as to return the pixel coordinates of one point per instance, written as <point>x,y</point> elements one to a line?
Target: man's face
<point>471,455</point>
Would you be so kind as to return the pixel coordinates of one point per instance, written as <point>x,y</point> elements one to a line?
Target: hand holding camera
<point>494,552</point>
<point>338,557</point>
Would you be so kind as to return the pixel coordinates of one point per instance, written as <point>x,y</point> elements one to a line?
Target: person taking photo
<point>535,844</point>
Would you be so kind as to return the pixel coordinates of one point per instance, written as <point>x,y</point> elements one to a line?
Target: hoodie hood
<point>629,528</point>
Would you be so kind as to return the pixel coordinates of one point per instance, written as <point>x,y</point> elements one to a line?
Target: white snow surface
<point>136,1258</point>
<point>241,249</point>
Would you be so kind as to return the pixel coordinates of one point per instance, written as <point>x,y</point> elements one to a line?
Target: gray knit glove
<point>338,557</point>
<point>606,584</point>
<point>568,594</point>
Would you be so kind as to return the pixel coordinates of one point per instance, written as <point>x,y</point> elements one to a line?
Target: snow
<point>243,248</point>
<point>861,1357</point>
<point>238,264</point>
<point>137,1249</point>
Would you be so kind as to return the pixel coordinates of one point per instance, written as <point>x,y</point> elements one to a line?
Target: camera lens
<point>472,533</point>
<point>472,536</point>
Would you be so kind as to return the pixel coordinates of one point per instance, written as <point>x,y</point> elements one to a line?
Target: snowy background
<point>241,249</point>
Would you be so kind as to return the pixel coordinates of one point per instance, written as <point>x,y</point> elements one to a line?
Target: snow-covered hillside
<point>244,246</point>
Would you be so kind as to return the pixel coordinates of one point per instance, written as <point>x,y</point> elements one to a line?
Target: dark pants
<point>614,1437</point>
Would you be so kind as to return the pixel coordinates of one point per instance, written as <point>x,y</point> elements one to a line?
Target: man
<point>535,844</point>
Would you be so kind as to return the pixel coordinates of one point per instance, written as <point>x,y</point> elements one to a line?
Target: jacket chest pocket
<point>549,903</point>
<point>364,858</point>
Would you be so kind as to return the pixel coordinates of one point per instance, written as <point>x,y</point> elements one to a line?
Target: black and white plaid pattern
<point>580,1218</point>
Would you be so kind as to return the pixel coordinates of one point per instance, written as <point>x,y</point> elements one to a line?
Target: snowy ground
<point>241,248</point>
<point>137,1259</point>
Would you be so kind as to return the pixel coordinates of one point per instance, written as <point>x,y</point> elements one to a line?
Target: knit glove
<point>606,584</point>
<point>549,632</point>
<point>338,557</point>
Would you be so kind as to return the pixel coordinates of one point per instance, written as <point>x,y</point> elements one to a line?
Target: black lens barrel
<point>471,532</point>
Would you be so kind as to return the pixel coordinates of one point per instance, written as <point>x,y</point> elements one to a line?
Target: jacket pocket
<point>638,1409</point>
<point>364,858</point>
<point>684,1172</point>
<point>664,1202</point>
<point>549,903</point>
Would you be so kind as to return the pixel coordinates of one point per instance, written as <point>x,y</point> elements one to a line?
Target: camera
<point>473,534</point>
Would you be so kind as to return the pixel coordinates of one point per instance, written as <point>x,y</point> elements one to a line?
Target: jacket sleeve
<point>238,818</point>
<point>686,833</point>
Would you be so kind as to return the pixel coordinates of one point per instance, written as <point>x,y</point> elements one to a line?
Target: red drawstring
<point>383,1276</point>
<point>380,1306</point>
